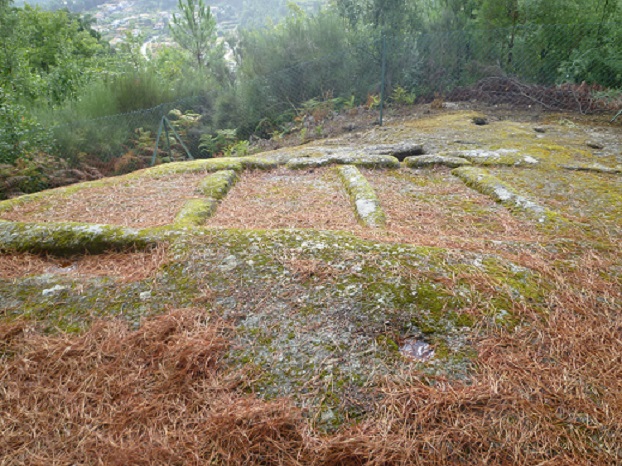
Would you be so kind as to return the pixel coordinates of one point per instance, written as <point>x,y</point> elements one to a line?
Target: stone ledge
<point>206,165</point>
<point>595,168</point>
<point>363,196</point>
<point>501,158</point>
<point>424,161</point>
<point>72,238</point>
<point>258,163</point>
<point>341,158</point>
<point>217,185</point>
<point>485,183</point>
<point>195,212</point>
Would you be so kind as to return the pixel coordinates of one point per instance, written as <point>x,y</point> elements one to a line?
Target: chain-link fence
<point>101,142</point>
<point>557,67</point>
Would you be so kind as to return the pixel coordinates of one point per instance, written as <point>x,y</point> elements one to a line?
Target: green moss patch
<point>258,163</point>
<point>68,238</point>
<point>592,200</point>
<point>501,157</point>
<point>363,197</point>
<point>423,161</point>
<point>59,303</point>
<point>482,181</point>
<point>319,313</point>
<point>217,186</point>
<point>596,168</point>
<point>207,165</point>
<point>195,212</point>
<point>344,158</point>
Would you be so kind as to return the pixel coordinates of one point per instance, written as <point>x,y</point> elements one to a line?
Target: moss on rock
<point>258,163</point>
<point>195,212</point>
<point>217,185</point>
<point>363,197</point>
<point>423,161</point>
<point>501,157</point>
<point>596,168</point>
<point>206,165</point>
<point>69,238</point>
<point>344,158</point>
<point>482,181</point>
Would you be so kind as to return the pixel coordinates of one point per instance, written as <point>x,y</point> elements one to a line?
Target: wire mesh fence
<point>557,67</point>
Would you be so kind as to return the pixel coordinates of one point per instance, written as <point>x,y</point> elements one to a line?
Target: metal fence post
<point>168,139</point>
<point>382,78</point>
<point>155,149</point>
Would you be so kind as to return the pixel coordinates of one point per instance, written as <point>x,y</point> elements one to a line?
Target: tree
<point>45,56</point>
<point>195,31</point>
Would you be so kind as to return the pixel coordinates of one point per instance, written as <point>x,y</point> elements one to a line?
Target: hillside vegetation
<point>70,101</point>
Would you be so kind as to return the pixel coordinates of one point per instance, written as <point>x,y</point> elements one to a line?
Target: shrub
<point>20,133</point>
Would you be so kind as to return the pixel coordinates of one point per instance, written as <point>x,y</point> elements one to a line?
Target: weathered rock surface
<point>437,159</point>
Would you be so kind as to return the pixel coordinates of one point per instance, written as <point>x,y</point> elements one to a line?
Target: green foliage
<point>237,149</point>
<point>212,145</point>
<point>195,32</point>
<point>101,122</point>
<point>55,71</point>
<point>47,56</point>
<point>373,101</point>
<point>304,57</point>
<point>401,96</point>
<point>144,140</point>
<point>20,134</point>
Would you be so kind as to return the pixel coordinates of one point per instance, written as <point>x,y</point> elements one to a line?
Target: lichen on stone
<point>482,181</point>
<point>597,168</point>
<point>258,163</point>
<point>363,196</point>
<point>423,161</point>
<point>342,157</point>
<point>206,165</point>
<point>195,212</point>
<point>68,238</point>
<point>500,157</point>
<point>217,185</point>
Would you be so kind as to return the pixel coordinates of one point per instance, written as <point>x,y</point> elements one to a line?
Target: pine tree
<point>195,30</point>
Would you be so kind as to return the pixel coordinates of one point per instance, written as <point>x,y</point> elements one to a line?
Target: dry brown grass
<point>139,203</point>
<point>547,392</point>
<point>152,396</point>
<point>441,211</point>
<point>128,267</point>
<point>286,199</point>
<point>306,269</point>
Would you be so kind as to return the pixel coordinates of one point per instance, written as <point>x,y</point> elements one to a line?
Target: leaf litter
<point>543,387</point>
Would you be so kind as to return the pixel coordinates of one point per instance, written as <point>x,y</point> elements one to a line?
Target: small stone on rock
<point>328,415</point>
<point>54,290</point>
<point>417,349</point>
